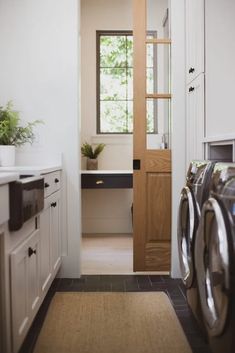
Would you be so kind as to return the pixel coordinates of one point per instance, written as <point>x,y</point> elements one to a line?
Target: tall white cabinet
<point>195,119</point>
<point>194,38</point>
<point>195,80</point>
<point>220,69</point>
<point>210,32</point>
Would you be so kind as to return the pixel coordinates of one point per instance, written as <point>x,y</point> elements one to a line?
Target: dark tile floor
<point>123,283</point>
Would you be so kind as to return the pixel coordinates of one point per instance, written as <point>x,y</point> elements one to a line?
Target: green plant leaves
<point>11,133</point>
<point>87,150</point>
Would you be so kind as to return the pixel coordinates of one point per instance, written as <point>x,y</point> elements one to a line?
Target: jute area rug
<point>111,323</point>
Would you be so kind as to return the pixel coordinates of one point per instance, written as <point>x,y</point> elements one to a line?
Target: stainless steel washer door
<point>212,262</point>
<point>187,226</point>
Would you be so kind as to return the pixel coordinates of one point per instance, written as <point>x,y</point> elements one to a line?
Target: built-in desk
<point>107,179</point>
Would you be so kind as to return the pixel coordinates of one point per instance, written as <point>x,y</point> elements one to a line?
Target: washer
<point>192,198</point>
<point>215,260</point>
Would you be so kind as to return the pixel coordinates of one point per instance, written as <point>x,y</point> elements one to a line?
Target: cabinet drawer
<point>106,181</point>
<point>52,182</point>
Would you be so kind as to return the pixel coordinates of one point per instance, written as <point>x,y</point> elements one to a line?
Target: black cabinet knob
<point>46,185</point>
<point>31,251</point>
<point>56,180</point>
<point>191,70</point>
<point>53,204</point>
<point>191,89</point>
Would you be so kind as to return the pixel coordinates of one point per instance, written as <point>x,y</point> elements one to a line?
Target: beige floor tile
<point>103,254</point>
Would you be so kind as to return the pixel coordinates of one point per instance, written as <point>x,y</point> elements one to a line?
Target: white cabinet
<point>52,183</point>
<point>29,261</point>
<point>50,231</point>
<point>45,245</point>
<point>25,292</point>
<point>194,38</point>
<point>55,232</point>
<point>220,69</point>
<point>195,97</point>
<point>2,289</point>
<point>195,119</point>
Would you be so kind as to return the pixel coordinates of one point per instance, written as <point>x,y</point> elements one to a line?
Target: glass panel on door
<point>158,124</point>
<point>157,68</point>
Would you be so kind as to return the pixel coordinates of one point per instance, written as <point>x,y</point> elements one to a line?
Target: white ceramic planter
<point>7,156</point>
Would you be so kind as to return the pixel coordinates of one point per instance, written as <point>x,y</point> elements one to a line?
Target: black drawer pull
<point>46,185</point>
<point>53,204</point>
<point>191,70</point>
<point>56,180</point>
<point>191,89</point>
<point>31,251</point>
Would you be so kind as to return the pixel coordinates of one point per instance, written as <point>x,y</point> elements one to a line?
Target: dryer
<point>215,260</point>
<point>192,198</point>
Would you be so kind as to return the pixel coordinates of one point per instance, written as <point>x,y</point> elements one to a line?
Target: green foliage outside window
<point>115,95</point>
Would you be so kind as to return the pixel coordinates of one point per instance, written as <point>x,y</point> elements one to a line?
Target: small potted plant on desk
<point>12,134</point>
<point>87,151</point>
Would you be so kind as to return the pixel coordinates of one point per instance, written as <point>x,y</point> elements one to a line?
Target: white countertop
<point>31,170</point>
<point>6,178</point>
<point>100,171</point>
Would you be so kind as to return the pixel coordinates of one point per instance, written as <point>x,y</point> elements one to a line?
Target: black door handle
<point>46,185</point>
<point>191,70</point>
<point>53,204</point>
<point>57,180</point>
<point>31,252</point>
<point>136,164</point>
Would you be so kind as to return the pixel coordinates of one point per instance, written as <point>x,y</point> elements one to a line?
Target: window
<point>115,83</point>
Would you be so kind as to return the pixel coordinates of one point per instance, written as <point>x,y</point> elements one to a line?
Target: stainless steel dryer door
<point>187,226</point>
<point>212,259</point>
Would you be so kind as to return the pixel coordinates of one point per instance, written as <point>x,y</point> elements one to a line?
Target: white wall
<point>118,153</point>
<point>178,118</point>
<point>114,215</point>
<point>39,72</point>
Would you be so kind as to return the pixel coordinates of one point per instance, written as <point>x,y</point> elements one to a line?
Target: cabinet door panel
<point>220,69</point>
<point>25,297</point>
<point>195,29</point>
<point>195,119</point>
<point>19,298</point>
<point>45,246</point>
<point>33,273</point>
<point>55,234</point>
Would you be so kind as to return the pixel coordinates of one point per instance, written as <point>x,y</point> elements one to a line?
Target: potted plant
<point>12,134</point>
<point>92,154</point>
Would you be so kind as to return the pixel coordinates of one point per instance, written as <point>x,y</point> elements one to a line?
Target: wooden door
<point>152,167</point>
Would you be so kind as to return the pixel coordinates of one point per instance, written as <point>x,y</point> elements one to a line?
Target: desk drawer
<point>107,181</point>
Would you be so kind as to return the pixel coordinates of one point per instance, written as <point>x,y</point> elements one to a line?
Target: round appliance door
<point>187,226</point>
<point>212,258</point>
